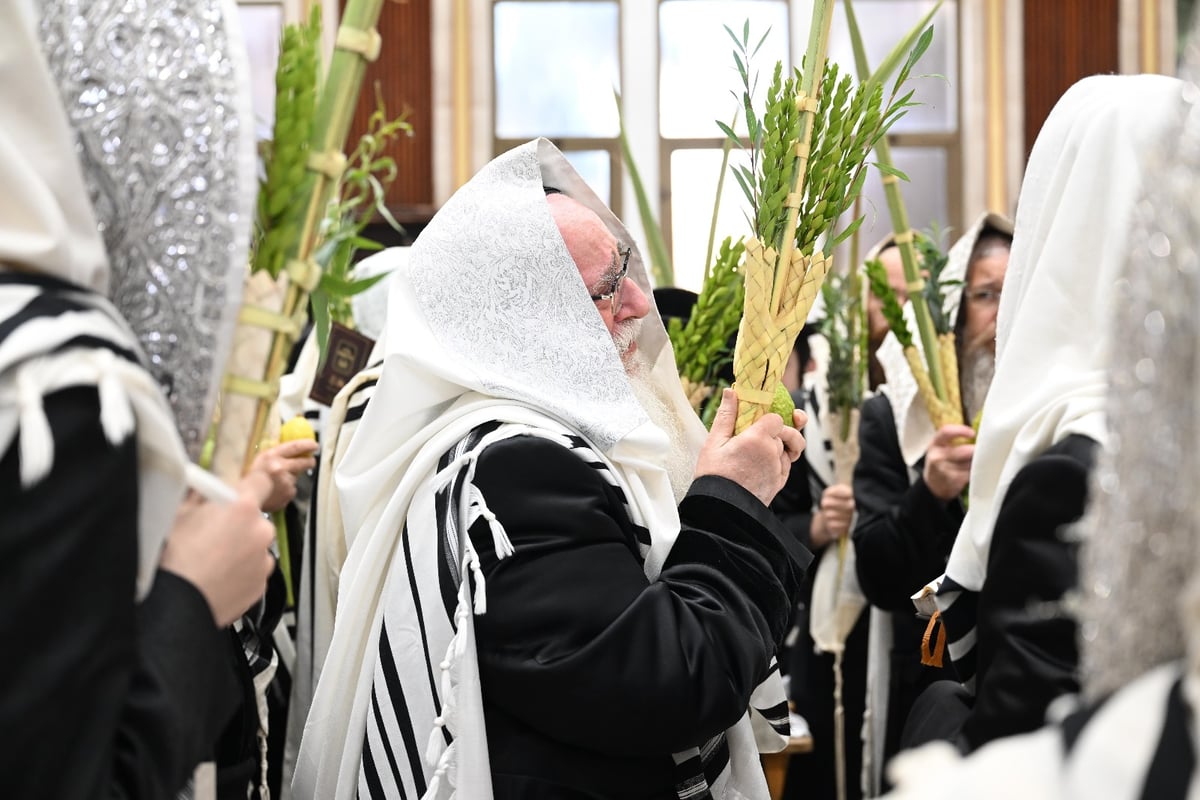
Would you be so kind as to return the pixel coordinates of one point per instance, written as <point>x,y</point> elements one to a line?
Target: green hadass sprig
<point>841,306</point>
<point>877,275</point>
<point>933,261</point>
<point>849,121</point>
<point>281,203</point>
<point>702,346</point>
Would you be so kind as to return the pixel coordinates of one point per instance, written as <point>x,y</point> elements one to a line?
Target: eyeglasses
<point>988,295</point>
<point>613,296</point>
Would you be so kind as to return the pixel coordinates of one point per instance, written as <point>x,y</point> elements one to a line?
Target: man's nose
<point>634,303</point>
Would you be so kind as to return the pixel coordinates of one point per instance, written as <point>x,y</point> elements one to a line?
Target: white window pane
<point>694,176</point>
<point>595,167</point>
<point>935,76</point>
<point>556,66</point>
<point>698,72</point>
<point>261,28</point>
<point>924,197</point>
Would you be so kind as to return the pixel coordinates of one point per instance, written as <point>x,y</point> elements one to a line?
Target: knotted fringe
<point>37,442</point>
<point>115,380</point>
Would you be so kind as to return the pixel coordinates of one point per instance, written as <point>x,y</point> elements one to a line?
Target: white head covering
<point>1140,531</point>
<point>488,320</point>
<point>46,221</point>
<point>913,425</point>
<point>107,186</point>
<point>477,311</point>
<point>1071,238</point>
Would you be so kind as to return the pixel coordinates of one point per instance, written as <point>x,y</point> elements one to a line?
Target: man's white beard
<point>678,461</point>
<point>978,368</point>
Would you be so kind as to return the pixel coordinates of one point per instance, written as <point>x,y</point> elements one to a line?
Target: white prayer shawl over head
<point>488,320</point>
<point>58,120</point>
<point>1139,536</point>
<point>1052,343</point>
<point>913,425</point>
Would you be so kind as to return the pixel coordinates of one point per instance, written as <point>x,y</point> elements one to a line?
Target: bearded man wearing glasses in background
<point>556,585</point>
<point>909,480</point>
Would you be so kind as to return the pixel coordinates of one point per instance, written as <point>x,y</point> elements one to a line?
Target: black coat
<point>902,539</point>
<point>592,675</point>
<point>103,696</point>
<point>1026,650</point>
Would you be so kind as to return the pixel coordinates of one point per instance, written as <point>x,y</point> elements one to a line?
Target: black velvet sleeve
<point>1027,647</point>
<point>103,697</point>
<point>903,534</point>
<point>578,644</point>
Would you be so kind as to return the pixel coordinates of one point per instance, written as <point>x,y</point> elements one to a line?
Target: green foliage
<point>843,306</point>
<point>933,264</point>
<point>892,312</point>
<point>281,203</point>
<point>361,194</point>
<point>702,347</point>
<point>849,121</point>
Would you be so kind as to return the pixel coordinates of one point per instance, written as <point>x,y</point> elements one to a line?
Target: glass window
<point>924,198</point>
<point>694,177</point>
<point>935,77</point>
<point>595,167</point>
<point>556,65</point>
<point>697,70</point>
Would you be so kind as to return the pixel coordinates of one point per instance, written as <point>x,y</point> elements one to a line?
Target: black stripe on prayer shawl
<point>369,774</point>
<point>416,596</point>
<point>777,717</point>
<point>1072,727</point>
<point>448,571</point>
<point>960,618</point>
<point>445,503</point>
<point>55,302</point>
<point>358,407</point>
<point>387,748</point>
<point>91,342</point>
<point>396,703</point>
<point>691,783</point>
<point>715,756</point>
<point>1170,773</point>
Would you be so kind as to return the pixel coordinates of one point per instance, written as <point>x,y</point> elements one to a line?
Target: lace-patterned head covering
<point>489,303</point>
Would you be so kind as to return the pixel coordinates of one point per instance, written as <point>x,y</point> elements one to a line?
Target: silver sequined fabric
<point>154,92</point>
<point>1140,534</point>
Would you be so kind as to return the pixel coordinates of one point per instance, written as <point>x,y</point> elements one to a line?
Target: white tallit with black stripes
<point>73,228</point>
<point>488,322</point>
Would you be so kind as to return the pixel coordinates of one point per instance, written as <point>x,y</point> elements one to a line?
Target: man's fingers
<point>726,417</point>
<point>297,448</point>
<point>840,491</point>
<point>948,433</point>
<point>257,486</point>
<point>793,442</point>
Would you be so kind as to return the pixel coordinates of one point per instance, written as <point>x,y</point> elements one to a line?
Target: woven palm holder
<point>766,335</point>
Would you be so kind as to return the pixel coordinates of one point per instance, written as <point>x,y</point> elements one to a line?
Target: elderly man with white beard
<point>556,585</point>
<point>909,478</point>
